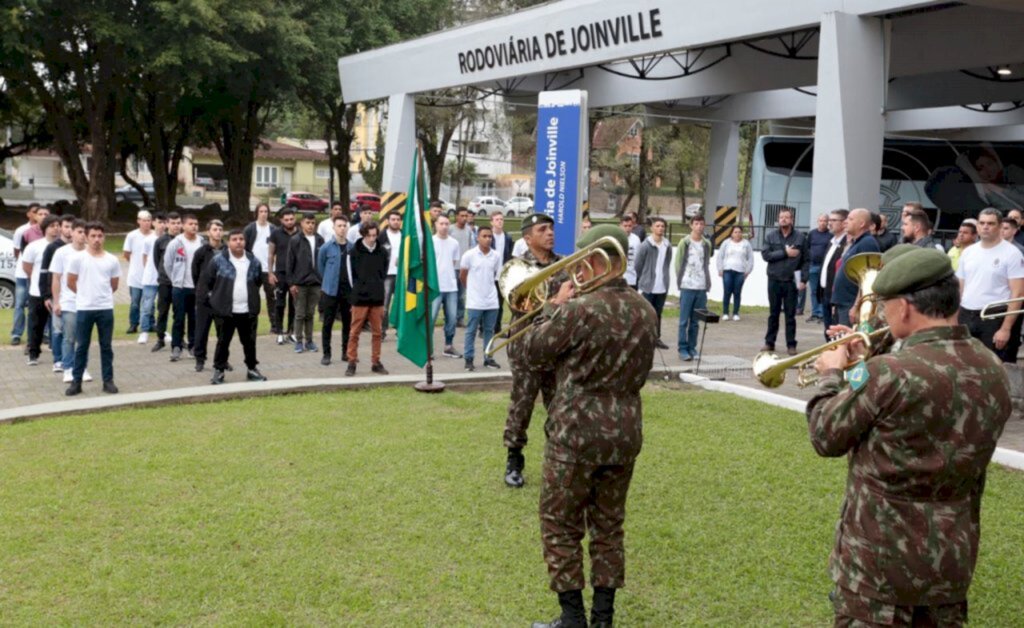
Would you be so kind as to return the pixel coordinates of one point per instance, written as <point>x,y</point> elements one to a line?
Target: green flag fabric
<point>410,310</point>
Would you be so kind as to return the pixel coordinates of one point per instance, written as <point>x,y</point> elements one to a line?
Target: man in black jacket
<point>230,287</point>
<point>304,280</point>
<point>785,250</point>
<point>827,282</point>
<point>369,262</point>
<point>204,315</point>
<point>277,260</point>
<point>163,306</point>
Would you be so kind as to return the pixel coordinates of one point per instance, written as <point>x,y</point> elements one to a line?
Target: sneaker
<point>659,344</point>
<point>58,367</point>
<point>143,338</point>
<point>311,346</point>
<point>469,366</point>
<point>351,370</point>
<point>254,375</point>
<point>280,339</point>
<point>379,369</point>
<point>450,352</point>
<point>175,354</point>
<point>491,364</point>
<point>686,357</point>
<point>191,352</point>
<point>326,360</point>
<point>74,389</point>
<point>299,348</point>
<point>725,318</point>
<point>109,388</point>
<point>291,338</point>
<point>86,377</point>
<point>15,341</point>
<point>132,329</point>
<point>694,355</point>
<point>791,350</point>
<point>736,317</point>
<point>218,377</point>
<point>229,368</point>
<point>768,348</point>
<point>167,337</point>
<point>69,376</point>
<point>32,361</point>
<point>158,346</point>
<point>200,365</point>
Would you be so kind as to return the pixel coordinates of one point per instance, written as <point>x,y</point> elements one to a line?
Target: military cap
<point>896,251</point>
<point>536,219</point>
<point>912,271</point>
<point>600,231</point>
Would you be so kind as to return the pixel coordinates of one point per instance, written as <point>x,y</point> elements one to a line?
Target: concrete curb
<point>1003,456</point>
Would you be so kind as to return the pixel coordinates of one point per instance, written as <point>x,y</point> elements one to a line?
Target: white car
<point>7,263</point>
<point>519,206</point>
<point>484,205</point>
<point>449,208</point>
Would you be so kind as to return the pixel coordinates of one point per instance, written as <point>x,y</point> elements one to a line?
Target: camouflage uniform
<point>528,381</point>
<point>920,426</point>
<point>602,347</point>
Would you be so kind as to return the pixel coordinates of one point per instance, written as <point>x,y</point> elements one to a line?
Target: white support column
<point>399,143</point>
<point>723,167</point>
<point>850,121</point>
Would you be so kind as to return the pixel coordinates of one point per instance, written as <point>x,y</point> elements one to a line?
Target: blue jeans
<point>813,281</point>
<point>732,281</point>
<point>657,301</point>
<point>133,309</point>
<point>57,338</point>
<point>461,314</point>
<point>184,302</point>
<point>450,300</point>
<point>20,306</point>
<point>104,322</point>
<point>67,351</point>
<point>690,300</point>
<point>477,318</point>
<point>148,301</point>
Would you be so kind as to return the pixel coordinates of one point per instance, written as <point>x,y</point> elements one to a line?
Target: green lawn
<point>386,507</point>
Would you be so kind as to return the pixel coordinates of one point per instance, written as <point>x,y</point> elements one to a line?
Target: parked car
<point>7,263</point>
<point>205,182</point>
<point>306,202</point>
<point>130,193</point>
<point>449,208</point>
<point>364,198</point>
<point>484,205</point>
<point>519,206</point>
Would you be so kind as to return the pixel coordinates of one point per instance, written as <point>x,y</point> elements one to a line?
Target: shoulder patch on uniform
<point>858,375</point>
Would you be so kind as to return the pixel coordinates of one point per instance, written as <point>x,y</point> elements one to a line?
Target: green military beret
<point>912,271</point>
<point>600,231</point>
<point>536,219</point>
<point>896,251</point>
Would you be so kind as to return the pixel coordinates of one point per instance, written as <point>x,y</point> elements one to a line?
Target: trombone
<point>988,316</point>
<point>524,286</point>
<point>770,369</point>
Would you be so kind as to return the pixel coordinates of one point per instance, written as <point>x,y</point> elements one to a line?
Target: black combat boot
<point>514,468</point>
<point>603,609</point>
<point>574,615</point>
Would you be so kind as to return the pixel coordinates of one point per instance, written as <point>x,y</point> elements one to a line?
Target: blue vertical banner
<point>562,154</point>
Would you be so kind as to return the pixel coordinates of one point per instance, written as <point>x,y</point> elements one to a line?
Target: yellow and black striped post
<point>726,217</point>
<point>391,201</point>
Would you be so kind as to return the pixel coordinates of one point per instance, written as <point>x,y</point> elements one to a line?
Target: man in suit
<point>837,225</point>
<point>859,240</point>
<point>503,245</point>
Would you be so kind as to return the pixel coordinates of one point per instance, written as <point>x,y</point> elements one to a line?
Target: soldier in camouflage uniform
<point>538,230</point>
<point>919,426</point>
<point>601,345</point>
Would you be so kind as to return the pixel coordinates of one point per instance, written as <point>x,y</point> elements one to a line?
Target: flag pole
<point>429,386</point>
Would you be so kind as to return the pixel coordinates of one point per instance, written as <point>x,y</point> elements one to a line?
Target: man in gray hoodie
<point>178,266</point>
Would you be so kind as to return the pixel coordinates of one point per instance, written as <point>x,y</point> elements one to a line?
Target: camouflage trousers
<point>577,498</point>
<point>854,610</point>
<point>526,383</point>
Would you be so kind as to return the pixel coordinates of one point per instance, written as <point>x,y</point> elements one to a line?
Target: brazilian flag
<point>410,310</point>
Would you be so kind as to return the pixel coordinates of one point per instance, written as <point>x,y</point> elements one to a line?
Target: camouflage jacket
<point>920,426</point>
<point>515,349</point>
<point>601,345</point>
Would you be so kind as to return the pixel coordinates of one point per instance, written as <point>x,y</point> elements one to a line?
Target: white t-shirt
<point>986,273</point>
<point>312,247</point>
<point>34,255</point>
<point>499,242</point>
<point>660,280</point>
<point>260,250</point>
<point>519,248</point>
<point>481,293</point>
<point>353,233</point>
<point>395,239</point>
<point>135,243</point>
<point>693,268</point>
<point>94,275</point>
<point>240,291</point>
<point>446,254</point>
<point>59,265</point>
<point>150,276</point>
<point>325,229</point>
<point>19,272</point>
<point>634,246</point>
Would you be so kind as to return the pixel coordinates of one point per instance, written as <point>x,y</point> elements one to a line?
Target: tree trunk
<point>343,120</point>
<point>644,178</point>
<point>236,145</point>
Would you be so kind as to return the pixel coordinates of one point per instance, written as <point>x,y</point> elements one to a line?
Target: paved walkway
<point>729,348</point>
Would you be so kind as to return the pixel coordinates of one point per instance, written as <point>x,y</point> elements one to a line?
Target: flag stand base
<point>430,387</point>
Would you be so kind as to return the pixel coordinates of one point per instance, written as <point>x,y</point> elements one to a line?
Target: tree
<point>22,122</point>
<point>460,172</point>
<point>374,175</point>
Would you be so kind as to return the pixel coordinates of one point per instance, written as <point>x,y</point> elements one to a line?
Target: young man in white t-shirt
<point>479,270</point>
<point>326,227</point>
<point>64,299</point>
<point>150,277</point>
<point>134,253</point>
<point>446,256</point>
<point>257,241</point>
<point>989,271</point>
<point>93,276</point>
<point>31,262</point>
<point>393,242</point>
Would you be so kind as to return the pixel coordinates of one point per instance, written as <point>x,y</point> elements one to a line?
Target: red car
<point>364,198</point>
<point>304,201</point>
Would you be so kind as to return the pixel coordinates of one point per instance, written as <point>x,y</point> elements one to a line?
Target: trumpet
<point>988,316</point>
<point>770,369</point>
<point>525,286</point>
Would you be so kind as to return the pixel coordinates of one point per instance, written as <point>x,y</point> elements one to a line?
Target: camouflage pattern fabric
<point>527,382</point>
<point>601,346</point>
<point>575,498</point>
<point>920,430</point>
<point>858,611</point>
